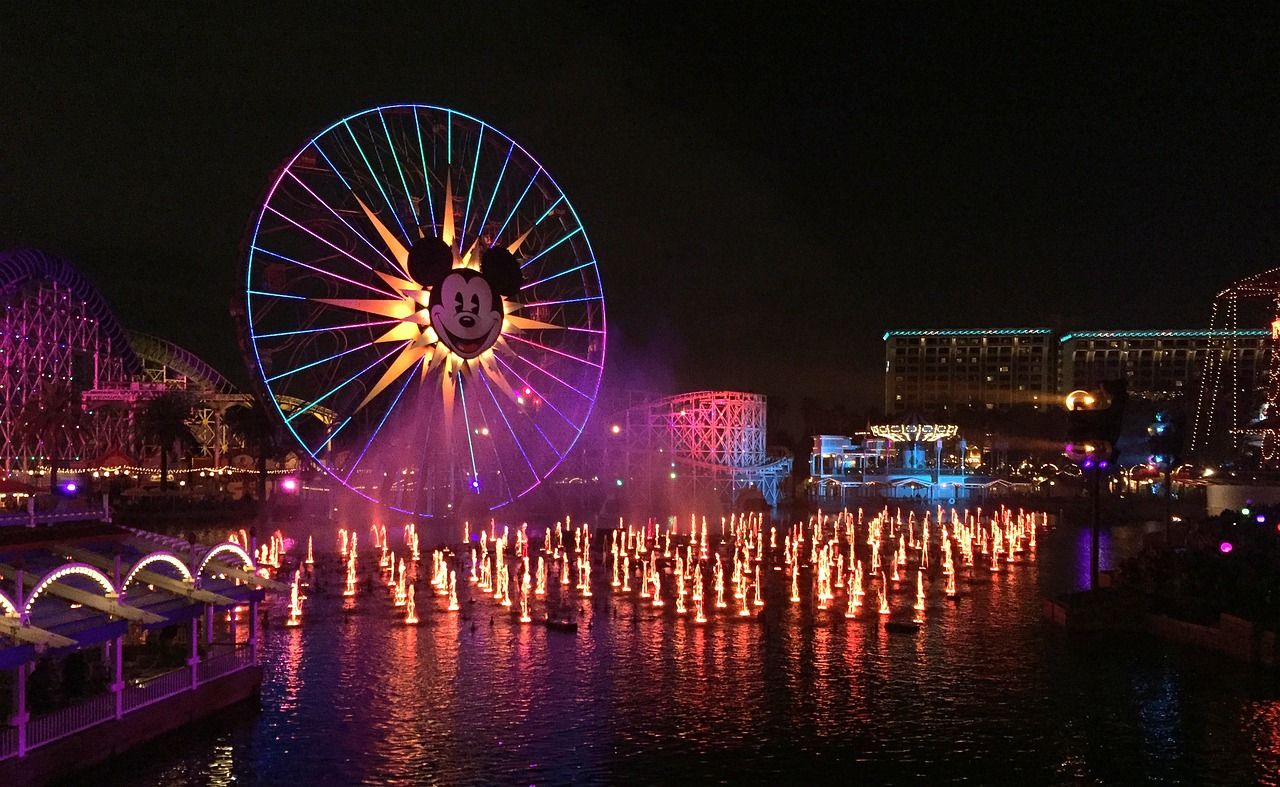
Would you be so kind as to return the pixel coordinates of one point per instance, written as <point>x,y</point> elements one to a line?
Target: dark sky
<point>767,190</point>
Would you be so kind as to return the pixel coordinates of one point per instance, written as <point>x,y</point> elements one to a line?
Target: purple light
<point>1225,547</point>
<point>475,483</point>
<point>289,485</point>
<point>70,487</point>
<point>1260,518</point>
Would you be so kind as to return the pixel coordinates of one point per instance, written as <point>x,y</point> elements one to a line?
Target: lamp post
<point>1093,428</point>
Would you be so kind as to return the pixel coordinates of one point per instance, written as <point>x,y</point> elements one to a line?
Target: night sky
<point>767,192</point>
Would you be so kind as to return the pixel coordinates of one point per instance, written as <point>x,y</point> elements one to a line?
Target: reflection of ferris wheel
<point>419,275</point>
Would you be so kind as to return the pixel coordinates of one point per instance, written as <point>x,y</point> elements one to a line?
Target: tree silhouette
<point>51,419</point>
<point>258,429</point>
<point>163,423</point>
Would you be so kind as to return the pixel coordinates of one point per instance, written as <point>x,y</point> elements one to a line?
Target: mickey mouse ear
<point>430,260</point>
<point>502,270</point>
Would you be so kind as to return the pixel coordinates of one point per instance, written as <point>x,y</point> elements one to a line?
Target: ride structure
<point>416,272</point>
<point>1234,410</point>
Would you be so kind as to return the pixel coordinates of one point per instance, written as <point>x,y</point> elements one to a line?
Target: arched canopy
<point>65,570</point>
<point>18,266</point>
<point>156,557</point>
<point>7,607</point>
<point>226,548</point>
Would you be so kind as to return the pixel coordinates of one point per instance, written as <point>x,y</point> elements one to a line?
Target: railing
<point>66,721</point>
<point>157,689</point>
<point>50,517</point>
<point>223,664</point>
<point>8,742</point>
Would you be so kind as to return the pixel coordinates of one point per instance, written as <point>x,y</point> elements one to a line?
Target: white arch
<point>226,546</point>
<point>67,569</point>
<point>156,557</point>
<point>10,609</point>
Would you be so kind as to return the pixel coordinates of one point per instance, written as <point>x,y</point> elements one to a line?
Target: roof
<point>970,332</point>
<point>1188,333</point>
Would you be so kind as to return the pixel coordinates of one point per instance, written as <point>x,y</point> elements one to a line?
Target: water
<point>985,693</point>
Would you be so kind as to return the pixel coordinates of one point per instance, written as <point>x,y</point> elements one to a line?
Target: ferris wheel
<point>424,309</point>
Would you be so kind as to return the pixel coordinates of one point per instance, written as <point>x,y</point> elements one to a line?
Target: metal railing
<point>8,742</point>
<point>71,719</point>
<point>215,666</point>
<point>157,689</point>
<point>58,724</point>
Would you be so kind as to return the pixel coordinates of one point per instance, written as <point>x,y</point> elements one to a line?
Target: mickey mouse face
<point>466,305</point>
<point>469,314</point>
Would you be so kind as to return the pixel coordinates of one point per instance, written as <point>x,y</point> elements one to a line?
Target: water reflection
<point>984,692</point>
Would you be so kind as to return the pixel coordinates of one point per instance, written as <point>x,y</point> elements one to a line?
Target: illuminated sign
<point>914,433</point>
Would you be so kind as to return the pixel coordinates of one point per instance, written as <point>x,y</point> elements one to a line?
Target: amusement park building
<point>701,445</point>
<point>999,368</point>
<point>57,328</point>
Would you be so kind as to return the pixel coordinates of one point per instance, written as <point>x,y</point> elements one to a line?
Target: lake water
<point>984,693</point>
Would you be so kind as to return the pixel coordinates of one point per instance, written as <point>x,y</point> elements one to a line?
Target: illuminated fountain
<point>540,589</point>
<point>453,592</point>
<point>759,600</point>
<point>350,590</point>
<point>295,603</point>
<point>524,599</point>
<point>311,558</point>
<point>718,574</point>
<point>400,596</point>
<point>410,609</point>
<point>884,595</point>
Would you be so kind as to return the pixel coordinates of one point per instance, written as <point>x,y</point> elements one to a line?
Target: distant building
<point>995,369</point>
<point>1158,364</point>
<point>1000,368</point>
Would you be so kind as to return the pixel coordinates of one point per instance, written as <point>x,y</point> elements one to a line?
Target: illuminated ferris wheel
<point>415,276</point>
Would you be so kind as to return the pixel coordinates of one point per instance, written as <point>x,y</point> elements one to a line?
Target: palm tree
<point>257,427</point>
<point>163,423</point>
<point>52,420</point>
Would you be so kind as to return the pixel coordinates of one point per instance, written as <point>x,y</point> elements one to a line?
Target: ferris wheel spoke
<point>301,331</point>
<point>426,173</point>
<point>331,245</point>
<point>550,208</point>
<point>377,181</point>
<point>313,364</point>
<point>471,190</point>
<point>516,207</point>
<point>345,382</point>
<point>565,272</point>
<point>494,194</point>
<point>538,393</point>
<point>284,295</point>
<point>332,435</point>
<point>322,271</point>
<point>396,157</point>
<point>357,233</point>
<point>378,429</point>
<point>466,422</point>
<point>556,303</point>
<point>514,437</point>
<point>553,350</point>
<point>539,255</point>
<point>549,374</point>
